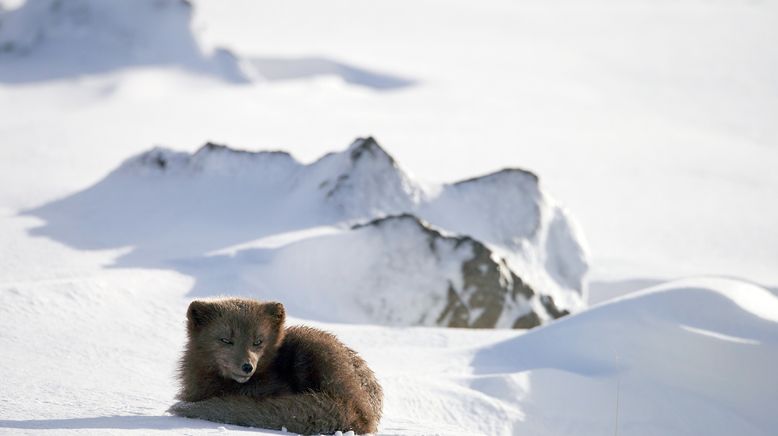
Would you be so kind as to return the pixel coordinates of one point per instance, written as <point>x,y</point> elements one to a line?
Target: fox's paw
<point>211,409</point>
<point>183,408</point>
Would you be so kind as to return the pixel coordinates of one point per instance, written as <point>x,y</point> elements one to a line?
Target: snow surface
<point>652,121</point>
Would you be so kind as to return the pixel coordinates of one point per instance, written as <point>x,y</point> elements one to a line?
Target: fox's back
<point>312,360</point>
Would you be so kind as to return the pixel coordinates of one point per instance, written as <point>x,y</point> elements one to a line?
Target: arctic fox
<point>242,366</point>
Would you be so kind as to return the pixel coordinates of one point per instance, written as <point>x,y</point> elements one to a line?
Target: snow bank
<point>685,358</point>
<point>51,39</point>
<point>352,232</point>
<point>47,39</point>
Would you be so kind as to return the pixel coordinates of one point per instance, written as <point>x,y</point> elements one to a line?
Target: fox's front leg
<point>238,410</point>
<point>210,409</point>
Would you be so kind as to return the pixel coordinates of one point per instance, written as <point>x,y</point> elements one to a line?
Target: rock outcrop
<point>488,293</point>
<point>352,234</point>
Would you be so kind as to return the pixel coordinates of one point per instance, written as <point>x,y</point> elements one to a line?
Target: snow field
<point>652,122</point>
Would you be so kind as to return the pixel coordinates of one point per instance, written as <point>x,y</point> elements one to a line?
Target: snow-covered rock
<point>351,235</point>
<point>397,270</point>
<point>482,291</point>
<point>365,181</point>
<point>61,38</point>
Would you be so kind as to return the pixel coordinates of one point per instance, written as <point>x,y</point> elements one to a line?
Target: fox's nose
<point>247,368</point>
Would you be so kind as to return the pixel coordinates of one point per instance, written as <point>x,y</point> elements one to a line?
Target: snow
<point>215,211</point>
<point>48,39</point>
<point>653,123</point>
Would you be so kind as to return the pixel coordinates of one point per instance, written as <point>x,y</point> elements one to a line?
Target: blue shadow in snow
<point>128,422</point>
<point>278,69</point>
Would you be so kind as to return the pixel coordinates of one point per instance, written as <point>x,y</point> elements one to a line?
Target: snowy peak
<point>368,182</point>
<point>363,147</point>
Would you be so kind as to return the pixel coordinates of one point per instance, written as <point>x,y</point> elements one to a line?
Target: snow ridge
<point>492,251</point>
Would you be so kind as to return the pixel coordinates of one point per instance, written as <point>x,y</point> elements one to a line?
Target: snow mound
<point>57,38</point>
<point>352,232</point>
<point>687,357</point>
<point>51,39</point>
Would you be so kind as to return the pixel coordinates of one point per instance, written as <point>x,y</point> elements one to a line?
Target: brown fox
<point>242,366</point>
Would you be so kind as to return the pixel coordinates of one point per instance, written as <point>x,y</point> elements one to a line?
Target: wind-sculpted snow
<point>351,232</point>
<point>687,357</point>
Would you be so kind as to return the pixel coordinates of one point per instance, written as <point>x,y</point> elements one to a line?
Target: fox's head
<point>234,337</point>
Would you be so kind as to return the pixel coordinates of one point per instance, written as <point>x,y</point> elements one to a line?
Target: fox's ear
<point>200,313</point>
<point>276,311</point>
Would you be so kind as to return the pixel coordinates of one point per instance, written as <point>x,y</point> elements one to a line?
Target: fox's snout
<point>244,366</point>
<point>237,365</point>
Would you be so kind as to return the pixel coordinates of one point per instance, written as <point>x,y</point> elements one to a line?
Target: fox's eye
<point>257,342</point>
<point>226,341</point>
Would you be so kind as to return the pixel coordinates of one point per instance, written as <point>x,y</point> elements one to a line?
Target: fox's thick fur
<point>301,378</point>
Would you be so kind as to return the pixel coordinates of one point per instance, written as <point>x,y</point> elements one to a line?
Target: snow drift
<point>349,237</point>
<point>51,39</point>
<point>47,39</point>
<point>688,357</point>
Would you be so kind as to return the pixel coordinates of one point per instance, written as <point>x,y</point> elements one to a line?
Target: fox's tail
<point>310,413</point>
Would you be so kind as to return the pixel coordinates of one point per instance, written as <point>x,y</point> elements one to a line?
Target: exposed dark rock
<point>211,147</point>
<point>163,159</point>
<point>156,159</point>
<point>550,306</point>
<point>369,145</point>
<point>456,313</point>
<point>519,287</point>
<point>489,287</point>
<point>368,182</point>
<point>528,321</point>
